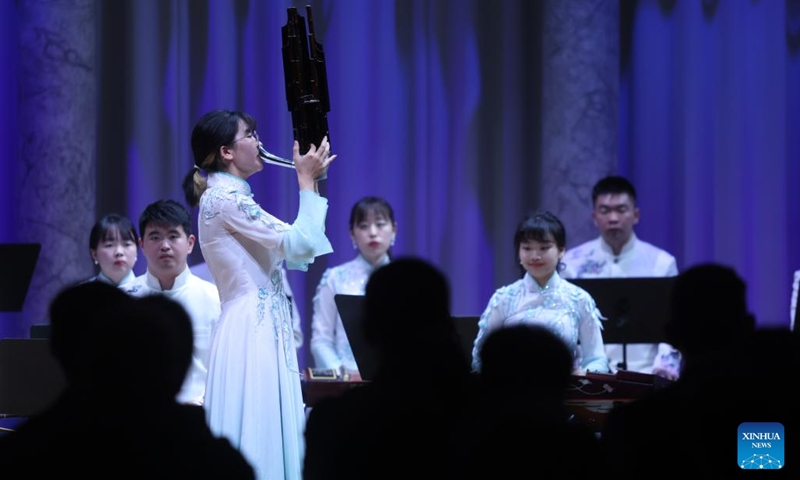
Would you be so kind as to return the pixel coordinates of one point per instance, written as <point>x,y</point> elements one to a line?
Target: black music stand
<point>19,261</point>
<point>30,378</point>
<point>351,311</point>
<point>636,308</point>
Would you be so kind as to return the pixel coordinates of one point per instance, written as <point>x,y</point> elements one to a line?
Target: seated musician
<point>542,297</point>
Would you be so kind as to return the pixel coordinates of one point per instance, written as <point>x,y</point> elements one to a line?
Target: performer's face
<point>241,156</point>
<point>540,259</point>
<point>115,254</point>
<point>373,236</point>
<point>166,248</point>
<point>615,215</point>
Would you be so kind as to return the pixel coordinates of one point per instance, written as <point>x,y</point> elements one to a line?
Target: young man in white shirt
<point>618,252</point>
<point>166,240</point>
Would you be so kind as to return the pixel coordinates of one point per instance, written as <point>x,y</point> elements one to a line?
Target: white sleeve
<point>301,241</point>
<point>323,326</point>
<point>491,319</point>
<point>593,352</point>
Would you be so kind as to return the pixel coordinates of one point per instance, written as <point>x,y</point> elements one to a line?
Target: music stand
<point>19,261</point>
<point>40,331</point>
<point>636,308</point>
<point>351,311</point>
<point>30,378</point>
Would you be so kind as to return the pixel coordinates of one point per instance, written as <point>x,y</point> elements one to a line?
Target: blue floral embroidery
<point>276,277</point>
<point>262,301</point>
<point>253,211</point>
<point>591,266</point>
<point>209,202</point>
<point>269,296</point>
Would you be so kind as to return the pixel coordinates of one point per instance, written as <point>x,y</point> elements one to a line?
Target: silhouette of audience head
<point>163,330</point>
<point>407,308</point>
<point>526,359</point>
<point>112,346</point>
<point>79,315</point>
<point>125,360</point>
<point>525,374</point>
<point>406,321</point>
<point>708,310</point>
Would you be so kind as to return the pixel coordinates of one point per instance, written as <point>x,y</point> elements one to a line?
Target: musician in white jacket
<point>166,241</point>
<point>618,252</point>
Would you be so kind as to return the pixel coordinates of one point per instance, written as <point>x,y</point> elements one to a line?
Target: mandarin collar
<point>368,267</point>
<point>180,281</point>
<point>228,182</point>
<point>532,286</point>
<point>129,277</point>
<point>625,248</point>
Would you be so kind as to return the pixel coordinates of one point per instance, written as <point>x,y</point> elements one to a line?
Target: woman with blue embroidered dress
<point>542,297</point>
<point>113,247</point>
<point>372,231</point>
<point>253,392</point>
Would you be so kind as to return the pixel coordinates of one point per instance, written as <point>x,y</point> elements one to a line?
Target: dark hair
<point>392,296</point>
<point>538,226</point>
<point>78,313</point>
<point>112,227</point>
<point>112,345</point>
<point>370,204</point>
<point>512,356</point>
<point>703,318</point>
<point>393,322</point>
<point>165,212</point>
<point>166,330</point>
<point>212,131</point>
<point>614,185</point>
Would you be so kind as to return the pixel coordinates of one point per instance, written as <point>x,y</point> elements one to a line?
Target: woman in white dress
<point>372,231</point>
<point>253,392</point>
<point>542,297</point>
<point>113,247</point>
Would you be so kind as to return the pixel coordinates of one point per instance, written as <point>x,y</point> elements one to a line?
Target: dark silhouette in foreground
<point>124,359</point>
<point>400,425</point>
<point>732,373</point>
<point>519,424</point>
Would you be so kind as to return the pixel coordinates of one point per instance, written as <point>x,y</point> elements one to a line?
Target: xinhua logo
<point>760,446</point>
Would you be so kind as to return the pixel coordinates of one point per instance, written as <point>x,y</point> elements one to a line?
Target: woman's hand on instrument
<point>313,164</point>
